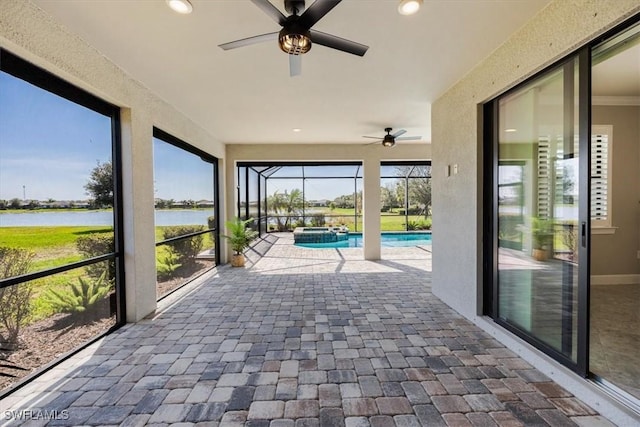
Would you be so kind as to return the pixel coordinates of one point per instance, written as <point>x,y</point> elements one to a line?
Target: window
<point>281,196</point>
<point>601,143</point>
<point>405,196</point>
<point>186,212</point>
<point>59,218</point>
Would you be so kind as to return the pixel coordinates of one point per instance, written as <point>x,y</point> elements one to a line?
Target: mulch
<point>44,341</point>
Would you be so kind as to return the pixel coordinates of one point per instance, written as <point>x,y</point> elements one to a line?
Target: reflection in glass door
<point>614,348</point>
<point>511,208</point>
<point>538,215</point>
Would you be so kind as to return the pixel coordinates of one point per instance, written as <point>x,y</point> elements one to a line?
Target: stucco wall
<point>557,30</point>
<point>30,33</point>
<point>616,254</point>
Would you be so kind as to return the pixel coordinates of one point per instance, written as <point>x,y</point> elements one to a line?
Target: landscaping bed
<point>44,341</point>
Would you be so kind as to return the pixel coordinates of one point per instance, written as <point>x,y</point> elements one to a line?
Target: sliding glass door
<point>614,350</point>
<point>537,146</point>
<point>562,177</point>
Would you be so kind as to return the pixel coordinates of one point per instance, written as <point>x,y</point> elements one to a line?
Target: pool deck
<point>302,337</point>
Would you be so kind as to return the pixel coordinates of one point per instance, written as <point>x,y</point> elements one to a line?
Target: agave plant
<point>81,298</point>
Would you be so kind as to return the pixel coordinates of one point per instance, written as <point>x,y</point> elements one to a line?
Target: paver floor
<point>302,337</point>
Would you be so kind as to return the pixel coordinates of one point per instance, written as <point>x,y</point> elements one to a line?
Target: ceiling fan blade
<point>271,10</point>
<point>249,41</point>
<point>316,12</point>
<point>338,43</point>
<point>409,138</point>
<point>398,133</point>
<point>374,137</point>
<point>295,65</point>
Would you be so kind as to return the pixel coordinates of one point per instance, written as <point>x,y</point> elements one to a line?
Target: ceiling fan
<point>389,140</point>
<point>296,35</point>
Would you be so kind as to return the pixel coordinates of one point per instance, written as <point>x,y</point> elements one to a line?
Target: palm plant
<point>287,205</point>
<point>240,235</point>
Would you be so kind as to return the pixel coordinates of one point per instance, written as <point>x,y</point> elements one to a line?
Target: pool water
<point>388,240</point>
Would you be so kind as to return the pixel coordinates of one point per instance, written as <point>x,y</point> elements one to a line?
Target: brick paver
<point>303,337</point>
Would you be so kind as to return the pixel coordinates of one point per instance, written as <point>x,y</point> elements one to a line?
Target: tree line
<point>393,197</point>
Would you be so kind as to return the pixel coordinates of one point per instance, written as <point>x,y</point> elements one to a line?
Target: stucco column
<point>138,214</point>
<point>371,209</point>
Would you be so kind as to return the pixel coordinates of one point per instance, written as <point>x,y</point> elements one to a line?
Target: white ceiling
<point>246,95</point>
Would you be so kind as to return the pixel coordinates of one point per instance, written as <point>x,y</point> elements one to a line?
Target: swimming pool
<point>389,240</point>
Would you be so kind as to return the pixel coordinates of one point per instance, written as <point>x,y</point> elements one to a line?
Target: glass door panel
<point>614,346</point>
<point>538,215</point>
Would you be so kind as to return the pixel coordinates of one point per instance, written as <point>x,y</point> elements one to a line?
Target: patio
<point>302,337</point>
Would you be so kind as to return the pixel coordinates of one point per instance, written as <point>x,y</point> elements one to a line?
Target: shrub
<point>80,299</point>
<point>167,266</point>
<point>413,210</point>
<point>412,225</point>
<point>317,220</point>
<point>211,222</point>
<point>424,224</point>
<point>185,250</point>
<point>15,301</point>
<point>211,225</point>
<point>95,245</point>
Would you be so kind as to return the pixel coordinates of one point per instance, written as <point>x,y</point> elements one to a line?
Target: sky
<point>315,189</point>
<point>49,145</point>
<point>180,175</point>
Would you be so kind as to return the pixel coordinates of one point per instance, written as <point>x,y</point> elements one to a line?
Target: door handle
<point>584,234</point>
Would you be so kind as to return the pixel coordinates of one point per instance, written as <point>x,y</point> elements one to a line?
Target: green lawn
<point>45,237</point>
<point>389,221</point>
<point>52,246</point>
<point>56,246</point>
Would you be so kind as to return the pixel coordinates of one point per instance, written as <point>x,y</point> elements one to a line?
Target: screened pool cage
<point>281,196</point>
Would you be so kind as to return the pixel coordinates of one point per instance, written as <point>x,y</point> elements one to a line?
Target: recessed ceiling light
<point>409,7</point>
<point>297,130</point>
<point>180,6</point>
<point>511,130</point>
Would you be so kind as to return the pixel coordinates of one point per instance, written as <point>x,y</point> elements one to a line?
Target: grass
<point>389,221</point>
<point>36,238</point>
<point>52,246</point>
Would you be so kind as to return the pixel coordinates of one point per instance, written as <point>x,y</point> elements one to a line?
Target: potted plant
<point>239,237</point>
<point>542,238</point>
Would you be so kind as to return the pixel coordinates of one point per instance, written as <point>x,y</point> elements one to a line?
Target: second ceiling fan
<point>296,35</point>
<point>389,140</point>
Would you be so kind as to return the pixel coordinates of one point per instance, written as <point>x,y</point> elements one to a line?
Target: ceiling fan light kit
<point>297,36</point>
<point>389,140</point>
<point>294,41</point>
<point>409,7</point>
